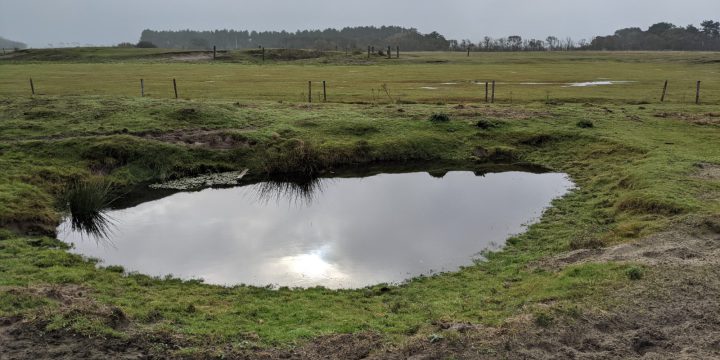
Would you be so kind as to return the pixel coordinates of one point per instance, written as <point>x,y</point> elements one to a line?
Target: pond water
<point>332,232</point>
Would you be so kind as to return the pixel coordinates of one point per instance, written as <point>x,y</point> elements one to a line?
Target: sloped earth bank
<point>671,312</point>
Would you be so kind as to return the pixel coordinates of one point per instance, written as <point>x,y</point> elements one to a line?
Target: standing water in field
<point>332,232</point>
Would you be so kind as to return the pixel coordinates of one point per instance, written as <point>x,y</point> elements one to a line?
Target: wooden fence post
<point>175,88</point>
<point>368,51</point>
<point>697,94</point>
<point>263,54</point>
<point>398,52</point>
<point>492,99</point>
<point>468,51</point>
<point>662,98</point>
<point>32,86</point>
<point>310,91</point>
<point>389,52</point>
<point>214,52</point>
<point>142,88</point>
<point>487,91</point>
<point>324,92</point>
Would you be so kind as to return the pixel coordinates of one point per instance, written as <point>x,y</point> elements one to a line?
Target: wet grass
<point>428,78</point>
<point>636,175</point>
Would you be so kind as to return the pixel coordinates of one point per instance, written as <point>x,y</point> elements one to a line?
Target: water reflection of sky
<point>351,233</point>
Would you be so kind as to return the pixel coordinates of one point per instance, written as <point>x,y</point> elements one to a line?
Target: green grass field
<point>415,77</point>
<point>634,168</point>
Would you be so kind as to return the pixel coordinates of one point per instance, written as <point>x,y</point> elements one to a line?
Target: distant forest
<point>661,36</point>
<point>9,44</point>
<point>329,39</point>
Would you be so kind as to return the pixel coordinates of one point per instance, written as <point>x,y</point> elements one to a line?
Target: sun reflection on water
<point>311,267</point>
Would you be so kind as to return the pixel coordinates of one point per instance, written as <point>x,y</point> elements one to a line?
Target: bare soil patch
<point>699,119</point>
<point>691,244</point>
<point>207,139</point>
<point>27,339</point>
<point>708,171</point>
<point>669,315</point>
<point>501,113</point>
<point>20,340</point>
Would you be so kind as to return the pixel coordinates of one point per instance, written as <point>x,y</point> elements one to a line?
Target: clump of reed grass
<point>86,202</point>
<point>301,190</point>
<point>439,118</point>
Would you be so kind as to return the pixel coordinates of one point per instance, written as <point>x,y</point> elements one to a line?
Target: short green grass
<point>418,77</point>
<point>634,170</point>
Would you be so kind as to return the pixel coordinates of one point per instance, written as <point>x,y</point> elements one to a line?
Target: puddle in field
<point>429,88</point>
<point>343,232</point>
<point>597,83</point>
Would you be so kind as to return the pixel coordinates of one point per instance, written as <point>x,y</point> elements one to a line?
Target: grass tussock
<point>486,124</point>
<point>643,204</point>
<point>439,118</point>
<point>293,156</point>
<point>86,203</point>
<point>585,124</point>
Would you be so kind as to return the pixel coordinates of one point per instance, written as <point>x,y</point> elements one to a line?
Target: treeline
<point>662,36</point>
<point>517,43</point>
<point>9,44</point>
<point>329,39</point>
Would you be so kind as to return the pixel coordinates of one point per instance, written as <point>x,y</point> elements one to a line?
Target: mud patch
<point>692,244</point>
<point>672,314</point>
<point>23,340</point>
<point>207,139</point>
<point>707,171</point>
<point>28,339</point>
<point>698,119</point>
<point>500,113</point>
<point>346,346</point>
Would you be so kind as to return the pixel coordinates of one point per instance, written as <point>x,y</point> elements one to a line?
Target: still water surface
<point>333,232</point>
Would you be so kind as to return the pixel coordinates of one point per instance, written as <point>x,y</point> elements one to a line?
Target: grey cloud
<point>105,22</point>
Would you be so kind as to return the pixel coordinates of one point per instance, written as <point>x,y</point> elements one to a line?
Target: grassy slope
<point>633,170</point>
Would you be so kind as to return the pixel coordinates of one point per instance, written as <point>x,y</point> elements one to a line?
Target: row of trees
<point>329,39</point>
<point>662,36</point>
<point>517,43</point>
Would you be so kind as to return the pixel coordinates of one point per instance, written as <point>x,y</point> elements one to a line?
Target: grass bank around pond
<point>639,169</point>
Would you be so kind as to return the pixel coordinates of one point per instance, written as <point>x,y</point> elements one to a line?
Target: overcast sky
<point>104,22</point>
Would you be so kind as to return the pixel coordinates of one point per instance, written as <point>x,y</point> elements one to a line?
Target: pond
<point>342,232</point>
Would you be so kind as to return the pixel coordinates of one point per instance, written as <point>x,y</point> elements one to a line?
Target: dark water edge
<point>140,193</point>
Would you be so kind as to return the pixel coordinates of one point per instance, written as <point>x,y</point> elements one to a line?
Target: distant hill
<point>9,44</point>
<point>408,39</point>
